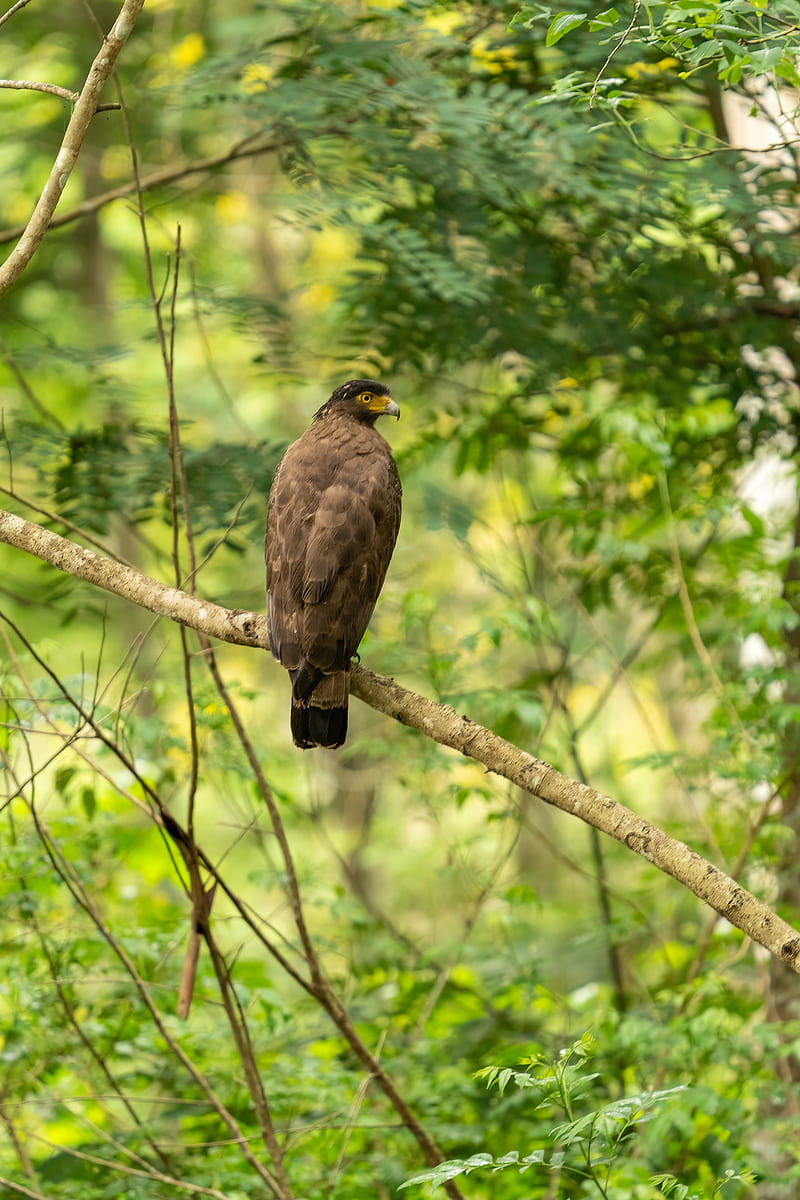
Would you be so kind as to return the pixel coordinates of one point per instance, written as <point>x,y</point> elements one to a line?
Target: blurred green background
<point>579,277</point>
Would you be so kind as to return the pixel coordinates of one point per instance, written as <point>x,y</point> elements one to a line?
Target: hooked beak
<point>391,409</point>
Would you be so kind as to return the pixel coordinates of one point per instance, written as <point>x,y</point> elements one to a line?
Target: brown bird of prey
<point>334,513</point>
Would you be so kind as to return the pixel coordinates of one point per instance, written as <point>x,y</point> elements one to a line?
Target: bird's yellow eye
<point>365,398</point>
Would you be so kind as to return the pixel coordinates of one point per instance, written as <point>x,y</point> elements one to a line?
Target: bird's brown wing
<point>291,509</point>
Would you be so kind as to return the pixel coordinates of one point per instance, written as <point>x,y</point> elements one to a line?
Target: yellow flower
<point>256,76</point>
<point>443,22</point>
<point>232,207</point>
<point>638,488</point>
<point>494,59</point>
<point>331,247</point>
<point>316,298</point>
<point>188,52</point>
<point>637,69</point>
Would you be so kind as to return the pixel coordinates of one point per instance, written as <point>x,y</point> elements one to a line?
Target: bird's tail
<point>319,717</point>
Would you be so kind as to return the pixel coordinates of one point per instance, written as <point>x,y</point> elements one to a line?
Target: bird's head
<point>364,399</point>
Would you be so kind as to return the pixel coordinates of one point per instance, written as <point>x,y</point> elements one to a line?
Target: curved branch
<point>242,149</point>
<point>440,723</point>
<point>82,114</point>
<point>14,9</point>
<point>51,89</point>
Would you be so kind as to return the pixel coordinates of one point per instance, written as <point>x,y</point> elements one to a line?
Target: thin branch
<point>352,1117</point>
<point>241,1036</point>
<point>441,724</point>
<point>147,1172</point>
<point>25,388</point>
<point>52,89</point>
<point>242,149</point>
<point>201,897</point>
<point>20,1188</point>
<point>247,147</point>
<point>14,9</point>
<point>82,114</point>
<point>692,627</point>
<point>623,39</point>
<point>17,1142</point>
<point>319,988</point>
<point>82,898</point>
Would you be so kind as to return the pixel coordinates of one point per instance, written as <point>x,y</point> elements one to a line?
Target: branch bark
<point>440,723</point>
<point>50,89</point>
<point>14,9</point>
<point>82,114</point>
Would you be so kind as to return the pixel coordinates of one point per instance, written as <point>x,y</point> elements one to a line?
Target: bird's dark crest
<point>349,391</point>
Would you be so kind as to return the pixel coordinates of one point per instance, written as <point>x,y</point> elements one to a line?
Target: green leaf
<point>561,25</point>
<point>62,779</point>
<point>604,20</point>
<point>89,801</point>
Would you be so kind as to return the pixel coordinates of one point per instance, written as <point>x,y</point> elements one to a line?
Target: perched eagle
<point>334,513</point>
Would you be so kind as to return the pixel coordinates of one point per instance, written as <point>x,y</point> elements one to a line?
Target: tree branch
<point>14,9</point>
<point>440,723</point>
<point>51,89</point>
<point>243,149</point>
<point>83,898</point>
<point>82,114</point>
<point>228,625</point>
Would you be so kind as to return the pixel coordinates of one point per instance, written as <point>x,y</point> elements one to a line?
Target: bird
<point>332,523</point>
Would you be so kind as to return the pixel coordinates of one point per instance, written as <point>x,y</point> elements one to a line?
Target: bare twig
<point>14,9</point>
<point>241,1036</point>
<point>243,149</point>
<point>82,114</point>
<point>202,897</point>
<point>624,37</point>
<point>82,897</point>
<point>691,621</point>
<point>20,1188</point>
<point>147,1172</point>
<point>352,1117</point>
<point>51,89</point>
<point>25,387</point>
<point>320,986</point>
<point>20,1149</point>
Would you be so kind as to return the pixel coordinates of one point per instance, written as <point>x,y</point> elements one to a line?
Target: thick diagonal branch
<point>440,723</point>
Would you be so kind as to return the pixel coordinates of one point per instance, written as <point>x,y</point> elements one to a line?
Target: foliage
<point>737,39</point>
<point>593,1149</point>
<point>579,274</point>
